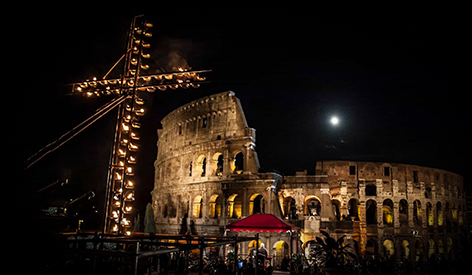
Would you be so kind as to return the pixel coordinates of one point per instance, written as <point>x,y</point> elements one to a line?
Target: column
<point>244,207</point>
<point>326,206</point>
<point>411,223</point>
<point>396,214</point>
<point>380,213</point>
<point>226,162</point>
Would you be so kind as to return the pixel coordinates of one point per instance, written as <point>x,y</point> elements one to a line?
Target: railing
<point>141,253</point>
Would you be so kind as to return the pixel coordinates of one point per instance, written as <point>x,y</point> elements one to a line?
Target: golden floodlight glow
<point>129,184</point>
<point>134,136</point>
<point>131,160</point>
<point>125,222</point>
<point>125,127</point>
<point>129,196</point>
<point>129,171</point>
<point>132,147</point>
<point>140,112</point>
<point>136,124</point>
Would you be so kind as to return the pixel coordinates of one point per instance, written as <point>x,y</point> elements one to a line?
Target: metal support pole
<point>186,259</point>
<point>201,246</point>
<point>136,259</point>
<point>236,254</point>
<point>257,253</point>
<point>291,252</point>
<point>95,247</point>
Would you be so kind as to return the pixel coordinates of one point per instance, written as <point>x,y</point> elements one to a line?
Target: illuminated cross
<point>128,90</point>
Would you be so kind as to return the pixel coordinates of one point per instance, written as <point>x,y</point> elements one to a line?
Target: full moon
<point>334,121</point>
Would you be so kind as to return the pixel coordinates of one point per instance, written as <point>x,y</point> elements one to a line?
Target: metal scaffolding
<point>127,92</point>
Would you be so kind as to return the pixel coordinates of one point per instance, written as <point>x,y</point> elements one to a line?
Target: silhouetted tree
<point>149,222</point>
<point>137,223</point>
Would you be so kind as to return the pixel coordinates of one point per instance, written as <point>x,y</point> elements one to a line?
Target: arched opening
<point>403,212</point>
<point>371,247</point>
<point>197,207</point>
<point>256,204</point>
<point>290,208</point>
<point>353,209</point>
<point>215,207</point>
<point>428,194</point>
<point>417,212</point>
<point>252,245</point>
<point>371,190</point>
<point>441,247</point>
<point>439,214</point>
<point>165,211</point>
<point>171,210</point>
<point>182,207</point>
<point>387,211</point>
<point>389,248</point>
<point>450,251</point>
<point>238,165</point>
<point>460,215</point>
<point>280,250</point>
<point>199,168</point>
<point>454,214</point>
<point>405,250</point>
<point>312,206</point>
<point>371,212</point>
<point>447,217</point>
<point>418,251</point>
<point>217,164</point>
<point>204,162</point>
<point>234,207</point>
<point>431,248</point>
<point>336,209</point>
<point>429,214</point>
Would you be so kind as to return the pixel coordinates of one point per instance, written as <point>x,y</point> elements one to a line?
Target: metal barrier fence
<point>97,253</point>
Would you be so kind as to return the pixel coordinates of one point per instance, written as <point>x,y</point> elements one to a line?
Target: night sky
<point>395,78</point>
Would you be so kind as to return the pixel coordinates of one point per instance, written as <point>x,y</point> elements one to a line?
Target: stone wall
<point>206,166</point>
<point>207,175</point>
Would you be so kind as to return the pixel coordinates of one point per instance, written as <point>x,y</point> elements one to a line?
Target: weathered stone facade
<point>207,175</point>
<point>385,208</point>
<point>207,167</point>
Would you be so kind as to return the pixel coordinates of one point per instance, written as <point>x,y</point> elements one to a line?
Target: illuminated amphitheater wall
<point>207,175</point>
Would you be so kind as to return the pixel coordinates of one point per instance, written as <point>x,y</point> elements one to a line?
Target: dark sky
<point>395,78</point>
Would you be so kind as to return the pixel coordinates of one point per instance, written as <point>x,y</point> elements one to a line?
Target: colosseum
<point>207,175</point>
